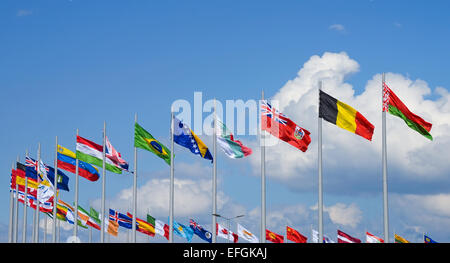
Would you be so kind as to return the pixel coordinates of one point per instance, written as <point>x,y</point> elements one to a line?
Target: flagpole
<point>214,190</point>
<point>55,196</point>
<point>102,235</point>
<point>171,179</point>
<point>24,230</point>
<point>75,222</point>
<point>320,201</point>
<point>16,211</point>
<point>384,160</point>
<point>11,209</point>
<point>38,202</point>
<point>263,181</point>
<point>134,189</point>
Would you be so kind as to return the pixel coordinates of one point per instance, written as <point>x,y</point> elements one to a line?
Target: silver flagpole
<point>102,229</point>
<point>24,231</point>
<point>16,211</point>
<point>134,189</point>
<point>11,211</point>
<point>214,181</point>
<point>55,196</point>
<point>384,160</point>
<point>171,180</point>
<point>320,202</point>
<point>263,181</point>
<point>38,202</point>
<point>75,221</point>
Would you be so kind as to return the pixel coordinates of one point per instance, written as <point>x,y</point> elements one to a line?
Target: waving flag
<point>280,126</point>
<point>200,231</point>
<point>274,237</point>
<point>67,161</point>
<point>121,219</point>
<point>144,140</point>
<point>225,233</point>
<point>393,105</point>
<point>315,237</point>
<point>399,239</point>
<point>90,152</point>
<point>346,238</point>
<point>161,228</point>
<point>295,236</point>
<point>183,231</point>
<point>247,235</point>
<point>428,239</point>
<point>143,226</point>
<point>370,238</point>
<point>233,148</point>
<point>185,137</point>
<point>115,156</point>
<point>344,116</point>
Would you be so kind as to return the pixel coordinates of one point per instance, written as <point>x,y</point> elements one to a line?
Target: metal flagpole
<point>16,213</point>
<point>134,189</point>
<point>102,228</point>
<point>384,160</point>
<point>263,181</point>
<point>55,196</point>
<point>38,202</point>
<point>24,231</point>
<point>75,222</point>
<point>11,211</point>
<point>320,202</point>
<point>214,181</point>
<point>171,180</point>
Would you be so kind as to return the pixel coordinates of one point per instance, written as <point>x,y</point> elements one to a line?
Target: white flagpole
<point>55,196</point>
<point>171,179</point>
<point>24,231</point>
<point>263,181</point>
<point>134,189</point>
<point>320,202</point>
<point>11,211</point>
<point>38,202</point>
<point>214,181</point>
<point>75,222</point>
<point>384,160</point>
<point>102,229</point>
<point>16,231</point>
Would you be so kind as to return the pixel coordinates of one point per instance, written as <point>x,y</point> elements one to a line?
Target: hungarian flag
<point>344,116</point>
<point>370,238</point>
<point>274,237</point>
<point>280,126</point>
<point>295,236</point>
<point>233,148</point>
<point>393,105</point>
<point>90,152</point>
<point>345,238</point>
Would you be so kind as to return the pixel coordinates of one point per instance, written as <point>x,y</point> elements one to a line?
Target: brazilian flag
<point>144,140</point>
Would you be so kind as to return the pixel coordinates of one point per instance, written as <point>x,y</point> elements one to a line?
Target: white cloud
<point>24,12</point>
<point>345,215</point>
<point>337,27</point>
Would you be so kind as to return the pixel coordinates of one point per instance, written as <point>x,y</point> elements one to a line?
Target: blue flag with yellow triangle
<point>185,137</point>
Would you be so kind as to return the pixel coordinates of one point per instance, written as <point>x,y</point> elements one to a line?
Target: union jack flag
<point>200,231</point>
<point>270,112</point>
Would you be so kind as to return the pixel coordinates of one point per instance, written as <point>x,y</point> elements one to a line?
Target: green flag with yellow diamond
<point>144,140</point>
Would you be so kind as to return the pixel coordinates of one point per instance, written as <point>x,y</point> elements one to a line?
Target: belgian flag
<point>344,116</point>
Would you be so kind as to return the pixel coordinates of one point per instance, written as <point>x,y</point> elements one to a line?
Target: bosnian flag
<point>225,233</point>
<point>233,148</point>
<point>115,156</point>
<point>90,152</point>
<point>345,238</point>
<point>373,239</point>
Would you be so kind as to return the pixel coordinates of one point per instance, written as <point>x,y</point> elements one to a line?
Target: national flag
<point>393,105</point>
<point>115,156</point>
<point>344,116</point>
<point>346,238</point>
<point>66,210</point>
<point>94,215</point>
<point>144,140</point>
<point>18,177</point>
<point>370,238</point>
<point>225,233</point>
<point>399,239</point>
<point>274,237</point>
<point>315,237</point>
<point>143,226</point>
<point>427,239</point>
<point>90,152</point>
<point>111,227</point>
<point>86,218</point>
<point>161,228</point>
<point>67,161</point>
<point>122,219</point>
<point>245,234</point>
<point>62,180</point>
<point>200,231</point>
<point>185,137</point>
<point>295,236</point>
<point>183,231</point>
<point>280,126</point>
<point>46,206</point>
<point>233,148</point>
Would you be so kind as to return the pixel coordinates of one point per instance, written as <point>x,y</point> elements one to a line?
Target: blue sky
<point>75,64</point>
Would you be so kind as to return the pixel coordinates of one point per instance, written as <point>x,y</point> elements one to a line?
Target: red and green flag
<point>393,105</point>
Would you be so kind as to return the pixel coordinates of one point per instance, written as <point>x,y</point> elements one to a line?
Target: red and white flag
<point>373,239</point>
<point>345,238</point>
<point>115,156</point>
<point>225,233</point>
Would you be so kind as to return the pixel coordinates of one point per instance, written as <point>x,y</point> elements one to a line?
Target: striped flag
<point>90,152</point>
<point>370,238</point>
<point>346,238</point>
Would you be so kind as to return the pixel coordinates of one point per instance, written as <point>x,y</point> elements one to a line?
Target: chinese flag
<point>273,237</point>
<point>295,236</point>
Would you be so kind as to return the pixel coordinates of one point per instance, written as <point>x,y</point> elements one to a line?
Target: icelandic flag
<point>121,219</point>
<point>200,231</point>
<point>183,231</point>
<point>185,137</point>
